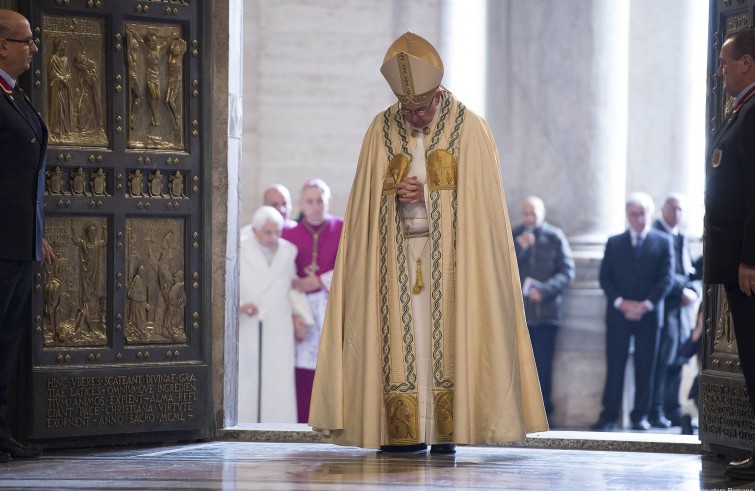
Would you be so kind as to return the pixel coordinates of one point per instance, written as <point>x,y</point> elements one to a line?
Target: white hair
<point>266,214</point>
<point>641,199</point>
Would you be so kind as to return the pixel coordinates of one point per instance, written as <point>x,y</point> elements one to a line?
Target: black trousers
<point>618,335</point>
<point>15,312</point>
<point>543,337</point>
<point>668,371</point>
<point>742,310</point>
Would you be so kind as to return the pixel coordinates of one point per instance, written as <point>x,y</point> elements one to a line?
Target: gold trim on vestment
<point>441,170</point>
<point>417,99</point>
<point>407,82</point>
<point>405,73</point>
<point>444,415</point>
<point>400,396</point>
<point>397,169</point>
<point>402,412</point>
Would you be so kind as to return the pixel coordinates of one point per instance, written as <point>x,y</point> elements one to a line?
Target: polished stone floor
<point>318,466</point>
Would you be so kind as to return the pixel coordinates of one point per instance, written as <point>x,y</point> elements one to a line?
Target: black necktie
<point>638,245</point>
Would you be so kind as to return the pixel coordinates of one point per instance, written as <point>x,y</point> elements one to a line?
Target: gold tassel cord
<point>419,283</point>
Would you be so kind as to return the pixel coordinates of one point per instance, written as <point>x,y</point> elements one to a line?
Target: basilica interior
<point>588,101</point>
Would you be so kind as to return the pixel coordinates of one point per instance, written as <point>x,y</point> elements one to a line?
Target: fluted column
<point>557,105</point>
<point>666,123</point>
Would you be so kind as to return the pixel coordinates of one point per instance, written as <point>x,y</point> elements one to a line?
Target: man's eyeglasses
<point>27,41</point>
<point>421,111</point>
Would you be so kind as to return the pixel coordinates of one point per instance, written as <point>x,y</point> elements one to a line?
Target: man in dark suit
<point>23,140</point>
<point>636,274</point>
<point>546,269</point>
<point>676,322</point>
<point>729,247</point>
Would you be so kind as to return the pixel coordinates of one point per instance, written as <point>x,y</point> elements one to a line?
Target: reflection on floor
<point>318,466</point>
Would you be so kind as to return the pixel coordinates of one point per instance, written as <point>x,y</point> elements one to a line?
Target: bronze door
<point>119,339</point>
<point>726,418</point>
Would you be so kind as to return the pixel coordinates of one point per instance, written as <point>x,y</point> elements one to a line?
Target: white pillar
<point>464,51</point>
<point>557,105</point>
<point>667,76</point>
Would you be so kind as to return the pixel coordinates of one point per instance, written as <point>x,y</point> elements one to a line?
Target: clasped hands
<point>633,310</point>
<point>410,190</point>
<point>525,239</point>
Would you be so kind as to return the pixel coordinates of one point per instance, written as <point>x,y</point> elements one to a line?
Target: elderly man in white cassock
<point>425,340</point>
<point>269,308</point>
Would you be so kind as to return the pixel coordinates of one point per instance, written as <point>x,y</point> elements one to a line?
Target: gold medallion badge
<point>715,159</point>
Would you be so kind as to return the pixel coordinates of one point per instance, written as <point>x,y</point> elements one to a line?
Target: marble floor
<point>318,466</point>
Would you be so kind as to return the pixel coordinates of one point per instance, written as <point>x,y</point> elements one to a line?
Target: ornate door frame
<point>120,321</point>
<point>727,423</point>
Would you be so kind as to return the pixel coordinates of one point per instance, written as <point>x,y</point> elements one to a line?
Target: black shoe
<point>446,448</point>
<point>641,425</point>
<point>660,422</point>
<point>687,428</point>
<point>744,470</point>
<point>676,417</point>
<point>603,425</point>
<point>18,450</point>
<point>5,458</point>
<point>419,447</point>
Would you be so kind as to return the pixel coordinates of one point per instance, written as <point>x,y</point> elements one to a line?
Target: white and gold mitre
<point>413,69</point>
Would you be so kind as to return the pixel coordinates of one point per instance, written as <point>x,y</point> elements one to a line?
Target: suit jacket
<point>730,198</point>
<point>683,270</point>
<point>677,324</point>
<point>548,261</point>
<point>646,275</point>
<point>23,142</point>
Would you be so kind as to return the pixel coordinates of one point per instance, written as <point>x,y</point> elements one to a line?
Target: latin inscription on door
<point>136,400</point>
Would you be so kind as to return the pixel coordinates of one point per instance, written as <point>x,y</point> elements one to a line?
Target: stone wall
<point>312,86</point>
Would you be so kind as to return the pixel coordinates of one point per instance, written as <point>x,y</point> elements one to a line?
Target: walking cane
<point>259,383</point>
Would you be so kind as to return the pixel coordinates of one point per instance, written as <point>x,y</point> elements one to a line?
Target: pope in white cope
<point>425,340</point>
<point>267,269</point>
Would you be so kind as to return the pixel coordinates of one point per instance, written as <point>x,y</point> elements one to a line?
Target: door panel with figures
<point>119,345</point>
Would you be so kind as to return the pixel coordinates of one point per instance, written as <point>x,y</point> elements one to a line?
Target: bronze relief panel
<point>78,182</point>
<point>75,284</point>
<point>154,63</point>
<point>723,339</point>
<point>74,57</point>
<point>156,292</point>
<point>155,184</point>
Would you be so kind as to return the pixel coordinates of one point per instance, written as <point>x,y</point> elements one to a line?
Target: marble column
<point>589,101</point>
<point>666,105</point>
<point>557,91</point>
<point>557,106</point>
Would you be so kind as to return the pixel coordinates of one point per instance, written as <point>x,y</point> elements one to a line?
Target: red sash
<point>7,88</point>
<point>744,99</point>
